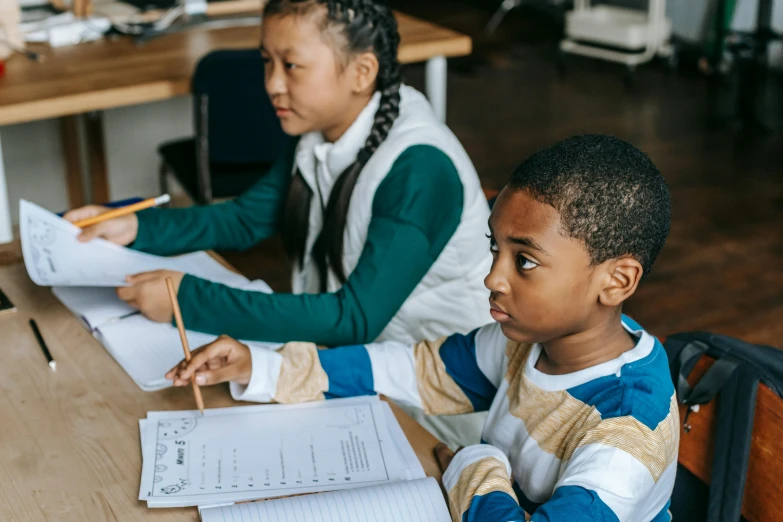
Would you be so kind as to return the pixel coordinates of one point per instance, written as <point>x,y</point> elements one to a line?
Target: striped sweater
<point>599,444</point>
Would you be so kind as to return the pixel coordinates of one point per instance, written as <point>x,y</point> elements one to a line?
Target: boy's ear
<point>365,71</point>
<point>622,277</point>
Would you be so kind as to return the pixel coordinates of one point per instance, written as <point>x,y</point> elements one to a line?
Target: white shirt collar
<point>318,159</point>
<point>548,382</point>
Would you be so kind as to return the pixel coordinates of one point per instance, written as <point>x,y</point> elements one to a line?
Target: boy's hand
<point>120,230</point>
<point>148,294</point>
<point>221,361</point>
<point>445,455</point>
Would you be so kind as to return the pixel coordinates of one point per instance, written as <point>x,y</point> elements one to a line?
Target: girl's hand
<point>120,230</point>
<point>148,294</point>
<point>221,361</point>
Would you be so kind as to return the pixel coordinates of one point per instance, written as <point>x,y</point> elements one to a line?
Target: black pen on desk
<point>52,363</point>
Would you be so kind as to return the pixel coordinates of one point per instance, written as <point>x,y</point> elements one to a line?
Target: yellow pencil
<point>184,339</point>
<point>124,211</point>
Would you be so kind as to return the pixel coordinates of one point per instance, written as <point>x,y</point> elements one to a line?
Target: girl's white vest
<point>451,297</point>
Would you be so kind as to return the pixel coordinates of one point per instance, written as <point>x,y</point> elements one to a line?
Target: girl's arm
<point>416,210</point>
<point>235,225</point>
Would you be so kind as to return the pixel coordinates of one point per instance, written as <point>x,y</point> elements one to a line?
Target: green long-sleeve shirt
<point>415,211</point>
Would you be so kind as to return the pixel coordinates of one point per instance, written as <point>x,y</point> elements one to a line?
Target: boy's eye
<point>265,59</point>
<point>525,264</point>
<point>493,246</point>
<point>289,65</point>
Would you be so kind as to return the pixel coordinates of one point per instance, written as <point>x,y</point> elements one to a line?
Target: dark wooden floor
<point>722,267</point>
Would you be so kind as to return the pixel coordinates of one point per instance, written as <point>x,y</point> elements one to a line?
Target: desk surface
<point>69,440</point>
<point>114,73</point>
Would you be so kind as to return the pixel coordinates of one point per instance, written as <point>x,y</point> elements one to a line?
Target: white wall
<point>33,156</point>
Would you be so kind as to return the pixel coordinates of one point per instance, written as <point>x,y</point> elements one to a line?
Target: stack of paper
<point>255,452</point>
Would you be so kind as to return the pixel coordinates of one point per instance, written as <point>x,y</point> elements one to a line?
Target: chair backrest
<point>232,112</point>
<point>763,498</point>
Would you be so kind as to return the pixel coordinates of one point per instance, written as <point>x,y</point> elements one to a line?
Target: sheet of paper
<point>147,350</point>
<point>411,501</point>
<point>252,452</point>
<point>54,257</point>
<point>400,448</point>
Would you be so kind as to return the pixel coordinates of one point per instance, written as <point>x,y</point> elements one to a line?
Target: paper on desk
<point>54,257</point>
<point>399,446</point>
<point>252,452</point>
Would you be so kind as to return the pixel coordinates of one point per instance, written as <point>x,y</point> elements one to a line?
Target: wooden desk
<point>114,73</point>
<point>69,440</point>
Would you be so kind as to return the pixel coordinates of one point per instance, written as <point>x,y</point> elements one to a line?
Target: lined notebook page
<point>95,306</point>
<point>147,350</point>
<point>408,501</point>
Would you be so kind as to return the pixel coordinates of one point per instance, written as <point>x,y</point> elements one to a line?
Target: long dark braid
<point>367,25</point>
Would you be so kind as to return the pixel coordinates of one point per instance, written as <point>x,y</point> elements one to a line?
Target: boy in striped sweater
<point>583,422</point>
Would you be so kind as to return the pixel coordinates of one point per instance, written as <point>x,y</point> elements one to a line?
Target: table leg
<point>96,152</point>
<point>69,136</point>
<point>6,231</point>
<point>435,80</point>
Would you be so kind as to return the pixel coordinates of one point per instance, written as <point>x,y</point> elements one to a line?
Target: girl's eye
<point>525,263</point>
<point>289,65</point>
<point>493,246</point>
<point>265,59</point>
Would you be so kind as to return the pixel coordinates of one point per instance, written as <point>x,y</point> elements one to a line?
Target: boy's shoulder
<point>641,387</point>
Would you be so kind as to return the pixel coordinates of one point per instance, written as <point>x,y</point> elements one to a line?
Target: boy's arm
<point>441,377</point>
<point>478,484</point>
<point>598,485</point>
<point>618,465</point>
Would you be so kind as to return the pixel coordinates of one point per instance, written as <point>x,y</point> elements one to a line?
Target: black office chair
<point>238,135</point>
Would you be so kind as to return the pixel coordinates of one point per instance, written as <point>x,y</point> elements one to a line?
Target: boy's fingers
<point>175,371</point>
<point>201,357</point>
<point>444,455</point>
<point>196,362</point>
<point>210,377</point>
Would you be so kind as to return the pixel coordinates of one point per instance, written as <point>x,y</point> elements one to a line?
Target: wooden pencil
<point>183,337</point>
<point>124,211</point>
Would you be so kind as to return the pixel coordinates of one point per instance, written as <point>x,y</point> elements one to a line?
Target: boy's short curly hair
<point>609,194</point>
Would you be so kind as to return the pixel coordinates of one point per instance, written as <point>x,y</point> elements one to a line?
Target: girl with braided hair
<point>379,206</point>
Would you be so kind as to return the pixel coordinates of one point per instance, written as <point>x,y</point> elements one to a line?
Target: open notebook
<point>410,501</point>
<point>146,350</point>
